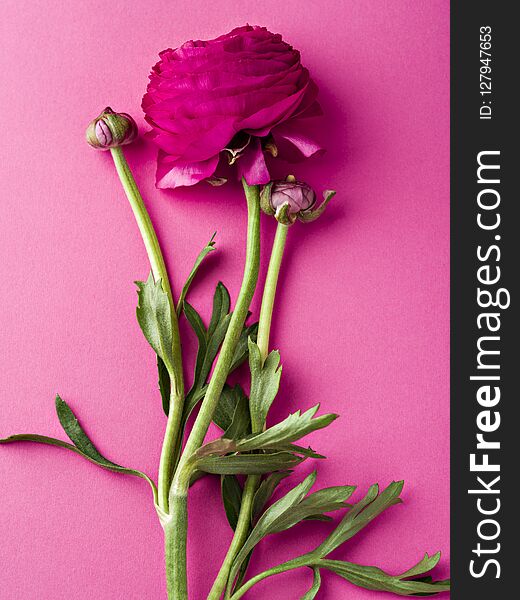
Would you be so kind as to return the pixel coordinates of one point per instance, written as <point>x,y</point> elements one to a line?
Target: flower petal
<point>291,133</point>
<point>251,165</point>
<point>172,173</point>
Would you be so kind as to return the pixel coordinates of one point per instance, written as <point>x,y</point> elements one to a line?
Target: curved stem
<point>159,272</point>
<point>196,438</point>
<point>225,358</point>
<point>252,482</point>
<point>302,561</point>
<point>271,281</point>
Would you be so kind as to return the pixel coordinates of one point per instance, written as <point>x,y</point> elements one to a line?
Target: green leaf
<point>225,409</point>
<point>278,437</point>
<point>200,331</point>
<point>155,319</point>
<point>242,349</point>
<point>104,463</point>
<point>267,523</point>
<point>247,464</point>
<point>293,508</point>
<point>221,306</point>
<point>240,425</point>
<point>373,578</point>
<point>76,434</point>
<point>316,584</point>
<point>265,491</point>
<point>294,427</point>
<point>209,342</point>
<point>165,384</point>
<point>361,514</point>
<point>210,246</point>
<point>232,498</point>
<point>265,381</point>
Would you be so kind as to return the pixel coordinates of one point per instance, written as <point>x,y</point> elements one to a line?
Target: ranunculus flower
<point>243,94</point>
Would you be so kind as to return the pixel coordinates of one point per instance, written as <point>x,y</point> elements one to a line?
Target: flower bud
<point>289,200</point>
<point>111,130</point>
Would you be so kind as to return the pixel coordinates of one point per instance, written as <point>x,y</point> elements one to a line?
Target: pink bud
<point>111,130</point>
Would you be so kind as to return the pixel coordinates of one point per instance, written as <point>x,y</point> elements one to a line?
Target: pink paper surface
<point>362,315</point>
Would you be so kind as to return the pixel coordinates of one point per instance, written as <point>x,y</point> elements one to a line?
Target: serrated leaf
<point>210,246</point>
<point>276,438</point>
<point>294,427</point>
<point>316,584</point>
<point>247,464</point>
<point>265,491</point>
<point>361,514</point>
<point>373,578</point>
<point>165,384</point>
<point>427,563</point>
<point>265,381</point>
<point>293,508</point>
<point>155,318</point>
<point>232,498</point>
<point>81,444</point>
<point>268,522</point>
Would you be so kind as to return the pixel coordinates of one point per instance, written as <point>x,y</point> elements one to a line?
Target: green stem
<point>252,482</point>
<point>239,537</point>
<point>271,281</point>
<point>302,561</point>
<point>175,535</point>
<point>159,272</point>
<point>200,427</point>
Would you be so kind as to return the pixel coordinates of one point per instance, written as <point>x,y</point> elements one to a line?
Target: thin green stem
<point>239,537</point>
<point>180,482</point>
<point>236,324</point>
<point>302,561</point>
<point>252,482</point>
<point>159,272</point>
<point>271,281</point>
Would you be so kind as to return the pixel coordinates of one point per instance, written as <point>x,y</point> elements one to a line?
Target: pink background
<point>362,319</point>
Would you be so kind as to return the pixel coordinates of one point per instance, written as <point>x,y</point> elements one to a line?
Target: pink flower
<point>244,93</point>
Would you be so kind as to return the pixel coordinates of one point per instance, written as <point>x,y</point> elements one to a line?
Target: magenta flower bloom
<point>242,94</point>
